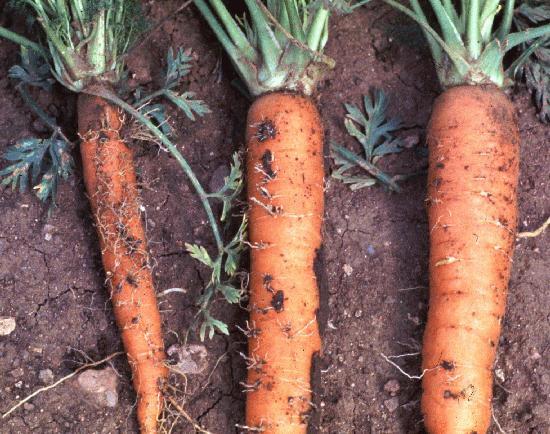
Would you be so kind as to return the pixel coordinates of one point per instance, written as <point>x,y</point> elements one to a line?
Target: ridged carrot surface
<point>473,140</point>
<point>285,195</point>
<point>110,180</point>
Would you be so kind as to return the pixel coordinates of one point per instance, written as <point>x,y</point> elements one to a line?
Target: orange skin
<point>110,181</point>
<point>473,139</point>
<point>285,195</point>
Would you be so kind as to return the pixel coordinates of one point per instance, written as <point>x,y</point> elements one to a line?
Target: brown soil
<point>375,251</point>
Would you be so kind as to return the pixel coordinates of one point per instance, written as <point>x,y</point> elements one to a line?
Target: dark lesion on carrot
<point>267,280</point>
<point>131,280</point>
<point>266,130</point>
<point>267,165</point>
<point>465,393</point>
<point>132,244</point>
<point>447,365</point>
<point>277,301</point>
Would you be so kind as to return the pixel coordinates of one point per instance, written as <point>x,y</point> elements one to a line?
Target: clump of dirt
<point>375,255</point>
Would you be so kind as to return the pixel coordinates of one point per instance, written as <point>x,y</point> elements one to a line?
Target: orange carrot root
<point>285,195</point>
<point>474,163</point>
<point>110,180</point>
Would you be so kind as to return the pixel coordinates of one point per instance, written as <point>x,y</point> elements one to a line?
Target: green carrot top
<point>85,40</point>
<point>279,45</point>
<point>472,39</point>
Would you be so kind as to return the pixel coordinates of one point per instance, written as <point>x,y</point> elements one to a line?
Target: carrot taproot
<point>285,195</point>
<point>278,55</point>
<point>110,179</point>
<point>473,140</point>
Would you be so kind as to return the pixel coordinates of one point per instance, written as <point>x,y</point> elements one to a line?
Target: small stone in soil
<point>348,269</point>
<point>411,141</point>
<point>100,386</point>
<point>392,387</point>
<point>392,404</point>
<point>7,325</point>
<point>189,359</point>
<point>28,406</point>
<point>46,376</point>
<point>17,372</point>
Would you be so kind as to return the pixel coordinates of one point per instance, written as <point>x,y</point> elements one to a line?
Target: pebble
<point>100,385</point>
<point>47,230</point>
<point>46,376</point>
<point>17,372</point>
<point>28,406</point>
<point>411,141</point>
<point>189,359</point>
<point>7,325</point>
<point>392,404</point>
<point>392,387</point>
<point>348,269</point>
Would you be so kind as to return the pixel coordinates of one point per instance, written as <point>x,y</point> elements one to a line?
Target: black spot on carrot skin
<point>102,136</point>
<point>267,160</point>
<point>135,320</point>
<point>266,130</point>
<point>268,278</point>
<point>450,395</point>
<point>131,280</point>
<point>439,166</point>
<point>277,301</point>
<point>448,366</point>
<point>492,343</point>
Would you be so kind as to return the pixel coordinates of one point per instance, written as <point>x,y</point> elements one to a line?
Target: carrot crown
<point>278,46</point>
<point>473,39</point>
<point>85,40</point>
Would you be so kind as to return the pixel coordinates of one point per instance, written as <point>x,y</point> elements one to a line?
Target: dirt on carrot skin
<point>52,281</point>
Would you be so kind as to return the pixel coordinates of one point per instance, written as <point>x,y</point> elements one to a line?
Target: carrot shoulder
<point>110,180</point>
<point>474,153</point>
<point>285,195</point>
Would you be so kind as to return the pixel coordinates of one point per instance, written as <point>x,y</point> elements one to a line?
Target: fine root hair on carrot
<point>536,232</point>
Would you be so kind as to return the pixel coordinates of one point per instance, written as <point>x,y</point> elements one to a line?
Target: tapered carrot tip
<point>473,139</point>
<point>285,196</point>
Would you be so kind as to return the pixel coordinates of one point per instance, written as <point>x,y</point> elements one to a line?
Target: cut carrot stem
<point>110,180</point>
<point>285,195</point>
<point>473,140</point>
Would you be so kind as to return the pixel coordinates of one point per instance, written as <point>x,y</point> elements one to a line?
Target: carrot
<point>85,54</point>
<point>473,140</point>
<point>281,64</point>
<point>110,179</point>
<point>285,194</point>
<point>474,165</point>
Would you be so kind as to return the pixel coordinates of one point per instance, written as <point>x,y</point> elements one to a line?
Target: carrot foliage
<point>534,63</point>
<point>373,131</point>
<point>468,43</point>
<point>279,44</point>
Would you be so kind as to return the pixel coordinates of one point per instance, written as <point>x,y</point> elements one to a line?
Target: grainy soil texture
<point>375,251</point>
